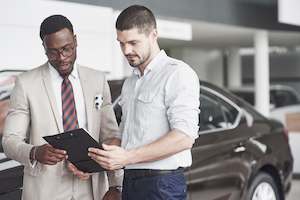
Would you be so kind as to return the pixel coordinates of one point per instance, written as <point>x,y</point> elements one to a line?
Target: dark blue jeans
<point>171,186</point>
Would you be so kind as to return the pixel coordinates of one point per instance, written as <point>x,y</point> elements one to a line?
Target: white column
<point>208,64</point>
<point>261,72</point>
<point>234,68</point>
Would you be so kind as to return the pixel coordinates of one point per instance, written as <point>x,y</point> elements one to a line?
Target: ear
<point>43,43</point>
<point>154,34</point>
<point>75,40</point>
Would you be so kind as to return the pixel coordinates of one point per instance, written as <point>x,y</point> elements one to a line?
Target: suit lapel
<point>88,96</point>
<point>51,97</point>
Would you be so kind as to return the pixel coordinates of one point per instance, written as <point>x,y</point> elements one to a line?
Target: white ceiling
<point>210,35</point>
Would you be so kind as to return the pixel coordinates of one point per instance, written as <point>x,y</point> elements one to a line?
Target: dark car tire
<point>261,188</point>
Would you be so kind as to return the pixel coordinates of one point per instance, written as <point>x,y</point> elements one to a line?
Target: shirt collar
<point>54,72</point>
<point>153,65</point>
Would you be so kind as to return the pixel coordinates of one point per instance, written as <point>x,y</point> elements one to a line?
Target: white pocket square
<point>98,101</point>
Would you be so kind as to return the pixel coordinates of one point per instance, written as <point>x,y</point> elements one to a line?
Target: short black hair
<point>136,16</point>
<point>53,24</point>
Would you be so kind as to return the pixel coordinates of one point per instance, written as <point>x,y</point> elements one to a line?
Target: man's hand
<point>48,155</point>
<point>112,194</point>
<point>77,172</point>
<point>111,158</point>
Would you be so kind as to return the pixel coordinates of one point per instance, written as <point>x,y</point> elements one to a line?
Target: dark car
<point>11,172</point>
<point>239,153</point>
<point>11,178</point>
<point>280,95</point>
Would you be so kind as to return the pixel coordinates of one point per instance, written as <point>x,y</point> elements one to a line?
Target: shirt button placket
<point>132,137</point>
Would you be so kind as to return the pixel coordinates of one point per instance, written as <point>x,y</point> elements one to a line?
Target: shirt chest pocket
<point>150,99</point>
<point>146,97</point>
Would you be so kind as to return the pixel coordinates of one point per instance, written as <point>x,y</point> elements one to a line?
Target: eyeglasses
<point>66,51</point>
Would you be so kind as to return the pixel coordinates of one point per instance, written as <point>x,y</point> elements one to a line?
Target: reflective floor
<point>295,192</point>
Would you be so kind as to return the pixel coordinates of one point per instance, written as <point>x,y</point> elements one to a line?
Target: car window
<point>284,98</point>
<point>215,113</point>
<point>230,112</point>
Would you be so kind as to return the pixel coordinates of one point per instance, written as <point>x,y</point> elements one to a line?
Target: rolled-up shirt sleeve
<point>182,101</point>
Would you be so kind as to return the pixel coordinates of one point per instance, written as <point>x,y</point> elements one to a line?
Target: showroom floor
<point>295,192</point>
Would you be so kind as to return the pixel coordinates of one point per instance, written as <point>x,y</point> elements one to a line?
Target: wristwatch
<point>117,187</point>
<point>32,155</point>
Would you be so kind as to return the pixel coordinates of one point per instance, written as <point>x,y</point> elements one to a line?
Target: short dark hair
<point>136,16</point>
<point>53,24</point>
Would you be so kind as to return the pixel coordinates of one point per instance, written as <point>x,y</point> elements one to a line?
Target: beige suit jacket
<point>33,114</point>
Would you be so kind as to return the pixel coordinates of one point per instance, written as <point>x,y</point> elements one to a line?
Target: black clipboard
<point>76,142</point>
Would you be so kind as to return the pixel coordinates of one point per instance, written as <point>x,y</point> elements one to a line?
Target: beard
<point>63,68</point>
<point>135,63</point>
<point>136,60</point>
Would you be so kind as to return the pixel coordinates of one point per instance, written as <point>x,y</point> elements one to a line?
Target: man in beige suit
<point>39,106</point>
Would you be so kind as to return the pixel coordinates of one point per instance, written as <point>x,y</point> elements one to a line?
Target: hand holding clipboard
<point>76,143</point>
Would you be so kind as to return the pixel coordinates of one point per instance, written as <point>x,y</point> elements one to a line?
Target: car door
<point>11,177</point>
<point>218,172</point>
<point>11,172</point>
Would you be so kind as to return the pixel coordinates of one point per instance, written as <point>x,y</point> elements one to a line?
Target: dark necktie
<point>70,121</point>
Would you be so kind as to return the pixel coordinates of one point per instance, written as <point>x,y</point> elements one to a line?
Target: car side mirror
<point>248,117</point>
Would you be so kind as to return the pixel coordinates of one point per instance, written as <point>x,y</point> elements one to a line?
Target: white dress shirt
<point>166,97</point>
<point>77,91</point>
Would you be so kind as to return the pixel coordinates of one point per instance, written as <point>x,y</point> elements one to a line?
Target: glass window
<point>284,98</point>
<point>230,112</point>
<point>215,113</point>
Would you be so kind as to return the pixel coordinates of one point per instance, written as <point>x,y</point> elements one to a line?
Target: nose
<point>127,49</point>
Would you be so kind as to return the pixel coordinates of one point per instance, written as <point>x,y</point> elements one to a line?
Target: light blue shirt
<point>166,97</point>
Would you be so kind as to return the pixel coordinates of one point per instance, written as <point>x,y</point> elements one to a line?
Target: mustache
<point>64,63</point>
<point>131,55</point>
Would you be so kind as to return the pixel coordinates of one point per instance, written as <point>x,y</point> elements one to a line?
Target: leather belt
<point>140,173</point>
